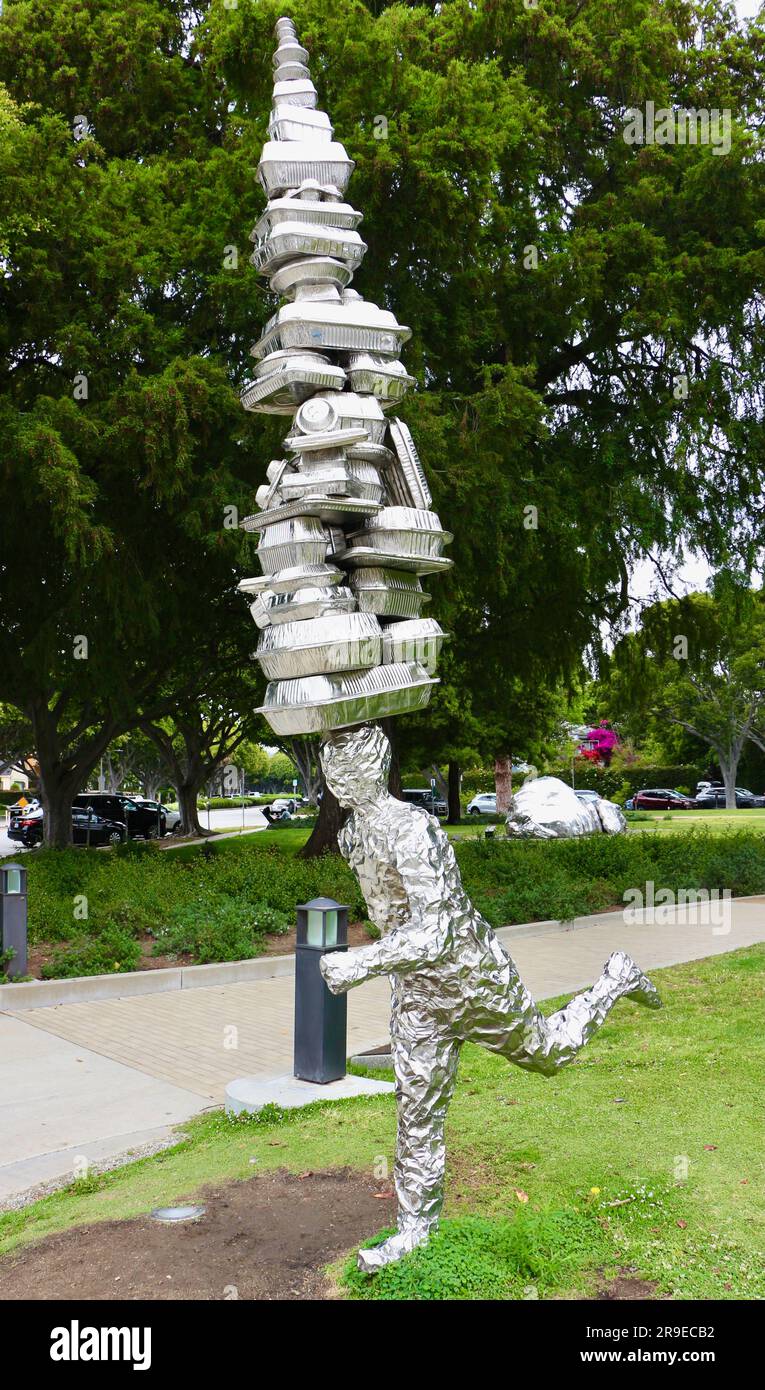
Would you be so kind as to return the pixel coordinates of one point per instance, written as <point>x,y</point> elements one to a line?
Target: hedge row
<point>219,902</point>
<point>622,782</point>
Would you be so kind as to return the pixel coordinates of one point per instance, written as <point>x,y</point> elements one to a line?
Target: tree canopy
<point>586,316</point>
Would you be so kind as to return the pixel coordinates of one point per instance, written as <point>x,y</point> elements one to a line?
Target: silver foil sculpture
<point>345,527</point>
<point>547,809</point>
<point>345,534</point>
<point>452,980</point>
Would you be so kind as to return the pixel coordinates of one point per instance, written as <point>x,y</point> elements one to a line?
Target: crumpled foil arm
<point>404,949</point>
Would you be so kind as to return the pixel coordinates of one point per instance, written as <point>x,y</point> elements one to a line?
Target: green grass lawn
<point>672,822</point>
<point>646,1154</point>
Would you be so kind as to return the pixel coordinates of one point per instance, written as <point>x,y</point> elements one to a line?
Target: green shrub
<point>109,953</point>
<point>218,929</point>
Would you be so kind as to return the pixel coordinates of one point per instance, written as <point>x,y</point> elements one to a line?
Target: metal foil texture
<point>547,809</point>
<point>452,981</point>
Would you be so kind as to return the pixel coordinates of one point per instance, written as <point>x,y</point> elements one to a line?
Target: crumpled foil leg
<point>452,980</point>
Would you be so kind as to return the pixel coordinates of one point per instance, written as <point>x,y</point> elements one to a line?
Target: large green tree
<point>698,664</point>
<point>124,449</point>
<point>586,324</point>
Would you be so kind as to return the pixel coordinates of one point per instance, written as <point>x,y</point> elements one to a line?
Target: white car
<point>484,804</point>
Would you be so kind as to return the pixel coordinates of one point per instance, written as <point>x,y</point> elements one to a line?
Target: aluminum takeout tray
<point>291,240</point>
<point>301,208</point>
<point>388,593</point>
<point>352,326</point>
<point>408,483</point>
<point>309,602</point>
<point>301,540</point>
<point>335,509</point>
<point>285,164</point>
<point>368,557</point>
<point>287,581</point>
<point>419,640</point>
<point>320,646</point>
<point>317,704</point>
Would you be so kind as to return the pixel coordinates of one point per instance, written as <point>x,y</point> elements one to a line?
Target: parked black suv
<point>140,820</point>
<point>427,799</point>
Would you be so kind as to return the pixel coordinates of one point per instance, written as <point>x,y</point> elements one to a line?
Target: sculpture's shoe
<point>369,1261</point>
<point>636,985</point>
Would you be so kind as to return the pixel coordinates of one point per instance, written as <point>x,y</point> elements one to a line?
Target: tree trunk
<point>62,774</point>
<point>394,776</point>
<point>56,797</point>
<point>455,807</point>
<point>187,805</point>
<point>729,771</point>
<point>503,781</point>
<point>323,837</point>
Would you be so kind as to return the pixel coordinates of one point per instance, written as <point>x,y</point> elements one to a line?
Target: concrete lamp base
<point>249,1094</point>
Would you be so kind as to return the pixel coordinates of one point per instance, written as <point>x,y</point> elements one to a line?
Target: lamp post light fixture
<point>320,1017</point>
<point>13,917</point>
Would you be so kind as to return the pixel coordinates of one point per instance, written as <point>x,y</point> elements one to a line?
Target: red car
<point>662,799</point>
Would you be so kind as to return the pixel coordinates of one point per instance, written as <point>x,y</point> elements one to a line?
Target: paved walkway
<point>91,1080</point>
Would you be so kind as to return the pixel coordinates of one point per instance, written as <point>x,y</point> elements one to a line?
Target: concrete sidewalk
<point>90,1080</point>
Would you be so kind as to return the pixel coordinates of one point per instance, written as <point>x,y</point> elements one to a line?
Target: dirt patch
<point>625,1286</point>
<point>266,1238</point>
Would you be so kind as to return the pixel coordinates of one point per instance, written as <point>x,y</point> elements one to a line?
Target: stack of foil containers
<point>345,529</point>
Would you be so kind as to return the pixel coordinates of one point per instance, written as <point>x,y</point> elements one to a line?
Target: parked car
<point>142,818</point>
<point>172,818</point>
<point>661,799</point>
<point>483,804</point>
<point>629,804</point>
<point>86,829</point>
<point>712,797</point>
<point>276,811</point>
<point>427,799</point>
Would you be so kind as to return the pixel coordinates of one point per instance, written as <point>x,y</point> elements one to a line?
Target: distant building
<point>13,778</point>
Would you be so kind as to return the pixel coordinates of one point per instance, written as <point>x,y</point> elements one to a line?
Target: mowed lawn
<point>645,1156</point>
<point>661,822</point>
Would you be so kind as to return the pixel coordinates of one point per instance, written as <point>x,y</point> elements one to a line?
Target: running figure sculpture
<point>346,532</point>
<point>452,980</point>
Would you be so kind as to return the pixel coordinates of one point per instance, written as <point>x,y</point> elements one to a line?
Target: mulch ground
<point>266,1238</point>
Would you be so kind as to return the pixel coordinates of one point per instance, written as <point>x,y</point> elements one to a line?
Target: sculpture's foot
<point>404,1241</point>
<point>636,985</point>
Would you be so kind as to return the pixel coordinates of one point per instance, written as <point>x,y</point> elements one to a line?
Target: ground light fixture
<point>320,1017</point>
<point>13,915</point>
<point>171,1215</point>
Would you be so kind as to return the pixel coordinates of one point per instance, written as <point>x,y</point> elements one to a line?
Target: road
<point>224,820</point>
